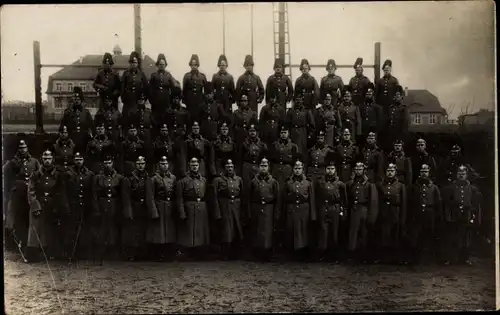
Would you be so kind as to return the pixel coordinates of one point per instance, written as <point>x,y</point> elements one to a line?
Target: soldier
<point>162,229</point>
<point>199,147</point>
<point>78,120</point>
<point>359,84</point>
<point>398,119</point>
<point>404,169</point>
<point>327,118</point>
<point>107,83</point>
<point>194,233</point>
<point>279,87</point>
<point>299,210</point>
<point>462,215</point>
<point>112,119</point>
<point>132,148</point>
<point>270,117</point>
<point>47,202</point>
<point>363,207</point>
<point>241,118</point>
<point>210,115</point>
<point>426,212</point>
<point>63,149</point>
<point>385,88</point>
<point>110,203</point>
<point>373,158</point>
<point>263,212</point>
<point>100,146</point>
<point>331,84</point>
<point>350,115</point>
<point>134,85</point>
<point>144,121</point>
<point>140,191</point>
<point>228,192</point>
<point>224,148</point>
<point>306,87</point>
<point>282,153</point>
<point>177,117</point>
<point>371,114</point>
<point>161,83</point>
<point>422,157</point>
<point>251,85</point>
<point>347,153</point>
<point>17,173</point>
<point>224,86</point>
<point>252,149</point>
<point>450,164</point>
<point>331,200</point>
<point>391,219</point>
<point>163,146</point>
<point>192,85</point>
<point>302,126</point>
<point>316,158</point>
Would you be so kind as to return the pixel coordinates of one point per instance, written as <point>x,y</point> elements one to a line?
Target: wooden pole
<point>223,29</point>
<point>377,63</point>
<point>281,31</point>
<point>251,28</point>
<point>137,31</point>
<point>38,88</point>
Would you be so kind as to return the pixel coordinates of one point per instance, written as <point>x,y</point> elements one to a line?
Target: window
<point>70,87</point>
<point>58,87</point>
<point>417,120</point>
<point>58,102</point>
<point>83,86</point>
<point>433,119</point>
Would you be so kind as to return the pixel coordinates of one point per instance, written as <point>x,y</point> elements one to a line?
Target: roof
<point>423,101</point>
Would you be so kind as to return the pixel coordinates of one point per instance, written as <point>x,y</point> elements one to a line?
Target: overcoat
<point>282,154</point>
<point>307,87</point>
<point>80,126</point>
<point>224,149</point>
<point>251,151</point>
<point>346,153</point>
<point>359,86</point>
<point>391,220</point>
<point>107,83</point>
<point>162,228</point>
<point>328,119</point>
<point>224,90</point>
<point>228,193</point>
<point>193,85</point>
<point>316,161</point>
<point>201,148</point>
<point>113,120</point>
<point>250,84</point>
<point>134,85</point>
<point>270,118</point>
<point>211,113</point>
<point>373,158</point>
<point>241,119</point>
<point>301,122</point>
<point>161,83</point>
<point>280,87</point>
<point>351,119</point>
<point>404,169</point>
<point>63,154</point>
<point>96,151</point>
<point>330,84</point>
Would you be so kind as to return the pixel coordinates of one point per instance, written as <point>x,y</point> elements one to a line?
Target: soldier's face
<point>424,174</point>
<point>141,166</point>
<point>107,104</point>
<point>108,165</point>
<point>163,166</point>
<point>249,68</point>
<point>230,169</point>
<point>278,70</point>
<point>346,136</point>
<point>134,64</point>
<point>284,134</point>
<point>210,96</point>
<point>164,133</point>
<point>347,97</point>
<point>398,147</point>
<point>331,70</point>
<point>63,134</point>
<point>369,95</point>
<point>454,153</point>
<point>272,101</point>
<point>252,133</point>
<point>359,170</point>
<point>79,162</point>
<point>224,130</point>
<point>398,97</point>
<point>390,173</point>
<point>387,71</point>
<point>195,129</point>
<point>77,100</point>
<point>222,66</point>
<point>359,70</point>
<point>305,70</point>
<point>162,65</point>
<point>328,101</point>
<point>320,139</point>
<point>194,166</point>
<point>370,140</point>
<point>47,160</point>
<point>244,102</point>
<point>297,169</point>
<point>194,67</point>
<point>132,132</point>
<point>330,170</point>
<point>264,168</point>
<point>421,146</point>
<point>99,131</point>
<point>23,150</point>
<point>462,175</point>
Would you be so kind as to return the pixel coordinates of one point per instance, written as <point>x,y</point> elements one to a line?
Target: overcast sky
<point>445,47</point>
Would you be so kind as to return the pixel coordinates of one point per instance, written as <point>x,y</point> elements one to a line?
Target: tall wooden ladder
<point>281,32</point>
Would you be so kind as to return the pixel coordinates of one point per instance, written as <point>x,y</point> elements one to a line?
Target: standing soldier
<point>224,86</point>
<point>306,87</point>
<point>144,121</point>
<point>194,233</point>
<point>449,167</point>
<point>140,191</point>
<point>263,212</point>
<point>385,88</point>
<point>228,190</point>
<point>398,120</point>
<point>462,215</point>
<point>162,229</point>
<point>282,153</point>
<point>112,119</point>
<point>371,114</point>
<point>316,157</point>
<point>47,202</point>
<point>177,117</point>
<point>350,115</point>
<point>331,199</point>
<point>134,85</point>
<point>347,153</point>
<point>107,82</point>
<point>301,121</point>
<point>210,115</point>
<point>270,117</point>
<point>327,118</point>
<point>100,146</point>
<point>63,149</point>
<point>423,218</point>
<point>78,120</point>
<point>422,157</point>
<point>279,87</point>
<point>163,146</point>
<point>132,148</point>
<point>224,148</point>
<point>363,207</point>
<point>404,169</point>
<point>373,158</point>
<point>160,87</point>
<point>251,85</point>
<point>241,119</point>
<point>299,210</point>
<point>192,88</point>
<point>252,149</point>
<point>331,83</point>
<point>359,84</point>
<point>391,219</point>
<point>199,147</point>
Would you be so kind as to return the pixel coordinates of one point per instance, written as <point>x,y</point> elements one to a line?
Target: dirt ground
<point>243,286</point>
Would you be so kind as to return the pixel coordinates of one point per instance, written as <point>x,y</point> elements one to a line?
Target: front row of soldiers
<point>74,212</point>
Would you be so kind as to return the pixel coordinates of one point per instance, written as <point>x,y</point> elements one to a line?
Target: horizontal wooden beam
<point>338,66</point>
<point>79,66</point>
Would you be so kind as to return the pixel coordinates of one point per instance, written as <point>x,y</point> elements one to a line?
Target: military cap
<point>248,61</point>
<point>399,89</point>
<point>134,56</point>
<point>278,63</point>
<point>108,158</point>
<point>131,126</point>
<point>321,133</point>
<point>463,168</point>
<point>194,59</point>
<point>228,162</point>
<point>298,160</point>
<point>208,88</point>
<point>225,121</point>
<point>346,90</point>
<point>346,131</point>
<point>163,159</point>
<point>360,164</point>
<point>78,156</point>
<point>141,159</point>
<point>195,123</point>
<point>63,129</point>
<point>420,140</point>
<point>456,148</point>
<point>47,154</point>
<point>164,127</point>
<point>252,124</point>
<point>78,91</point>
<point>391,167</point>
<point>264,161</point>
<point>330,158</point>
<point>99,122</point>
<point>330,64</point>
<point>303,63</point>
<point>107,58</point>
<point>358,63</point>
<point>387,63</point>
<point>371,134</point>
<point>371,87</point>
<point>22,144</point>
<point>194,159</point>
<point>398,141</point>
<point>284,126</point>
<point>142,98</point>
<point>160,58</point>
<point>221,59</point>
<point>328,96</point>
<point>425,168</point>
<point>176,91</point>
<point>244,96</point>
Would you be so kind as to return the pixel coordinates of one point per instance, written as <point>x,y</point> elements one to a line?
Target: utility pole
<point>251,28</point>
<point>223,29</point>
<point>38,88</point>
<point>137,32</point>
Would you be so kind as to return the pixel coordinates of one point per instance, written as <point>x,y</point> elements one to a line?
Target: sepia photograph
<point>249,157</point>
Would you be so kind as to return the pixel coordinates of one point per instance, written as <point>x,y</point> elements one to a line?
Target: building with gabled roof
<point>424,107</point>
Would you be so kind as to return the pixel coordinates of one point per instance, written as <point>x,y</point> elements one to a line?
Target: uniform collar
<point>193,175</point>
<point>265,177</point>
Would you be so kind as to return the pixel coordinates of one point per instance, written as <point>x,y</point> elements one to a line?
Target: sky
<point>444,47</point>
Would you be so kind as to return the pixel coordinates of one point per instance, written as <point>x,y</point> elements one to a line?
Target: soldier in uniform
<point>359,84</point>
<point>241,118</point>
<point>306,87</point>
<point>228,192</point>
<point>177,117</point>
<point>449,167</point>
<point>224,86</point>
<point>197,146</point>
<point>263,212</point>
<point>162,228</point>
<point>462,215</point>
<point>63,149</point>
<point>371,114</point>
<point>282,154</point>
<point>347,153</point>
<point>385,88</point>
<point>210,115</point>
<point>316,157</point>
<point>331,83</point>
<point>144,121</point>
<point>194,233</point>
<point>391,219</point>
<point>161,83</point>
<point>192,88</point>
<point>404,169</point>
<point>17,173</point>
<point>107,83</point>
<point>47,202</point>
<point>350,115</point>
<point>163,146</point>
<point>299,210</point>
<point>78,120</point>
<point>331,200</point>
<point>279,87</point>
<point>134,227</point>
<point>398,119</point>
<point>112,119</point>
<point>425,213</point>
<point>252,149</point>
<point>327,118</point>
<point>363,207</point>
<point>132,148</point>
<point>422,157</point>
<point>225,149</point>
<point>373,158</point>
<point>100,146</point>
<point>134,85</point>
<point>270,117</point>
<point>301,121</point>
<point>251,85</point>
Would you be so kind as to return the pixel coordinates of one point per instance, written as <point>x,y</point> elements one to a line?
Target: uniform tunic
<point>211,113</point>
<point>250,84</point>
<point>328,119</point>
<point>307,87</point>
<point>224,149</point>
<point>80,126</point>
<point>359,86</point>
<point>228,192</point>
<point>161,83</point>
<point>164,147</point>
<point>418,159</point>
<point>96,151</point>
<point>251,151</point>
<point>391,220</point>
<point>178,121</point>
<point>449,167</point>
<point>398,121</point>
<point>162,227</point>
<point>316,161</point>
<point>346,153</point>
<point>351,119</point>
<point>329,85</point>
<point>264,203</point>
<point>373,158</point>
<point>201,148</point>
<point>224,90</point>
<point>63,153</point>
<point>372,118</point>
<point>282,155</point>
<point>132,148</point>
<point>385,89</point>
<point>194,226</point>
<point>134,86</point>
<point>279,86</point>
<point>331,200</point>
<point>107,83</point>
<point>193,84</point>
<point>112,119</point>
<point>404,169</point>
<point>299,210</point>
<point>146,125</point>
<point>241,119</point>
<point>270,117</point>
<point>301,123</point>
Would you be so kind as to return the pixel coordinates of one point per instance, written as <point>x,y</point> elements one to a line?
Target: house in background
<point>60,85</point>
<point>483,119</point>
<point>425,108</point>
